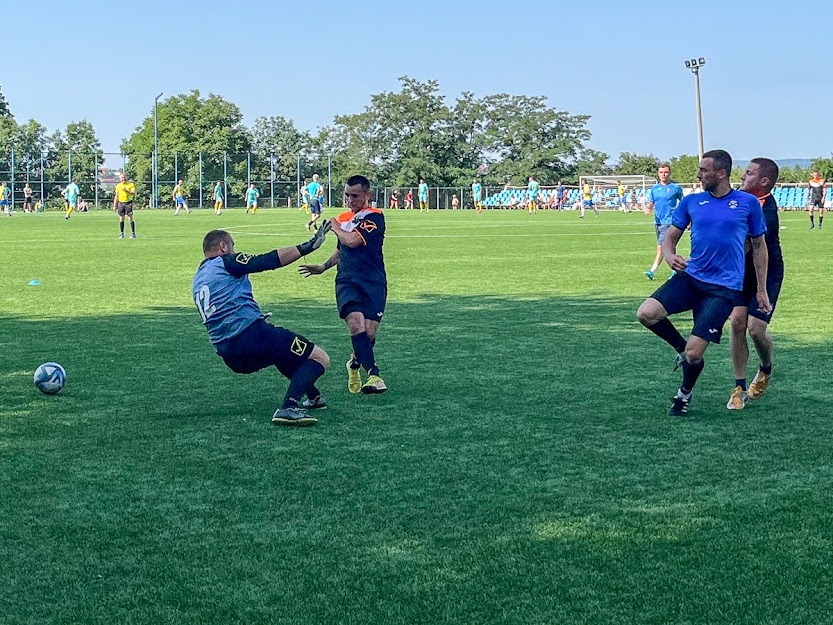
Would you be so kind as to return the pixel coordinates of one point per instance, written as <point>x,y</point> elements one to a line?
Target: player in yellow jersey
<point>587,200</point>
<point>123,204</point>
<point>179,196</point>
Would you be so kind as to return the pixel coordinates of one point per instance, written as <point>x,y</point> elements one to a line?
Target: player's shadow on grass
<point>440,354</point>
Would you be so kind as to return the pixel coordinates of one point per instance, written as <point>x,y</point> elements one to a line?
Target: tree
<point>637,165</point>
<point>590,163</point>
<point>822,165</point>
<point>277,136</point>
<point>4,108</point>
<point>684,168</point>
<point>188,125</point>
<point>73,154</point>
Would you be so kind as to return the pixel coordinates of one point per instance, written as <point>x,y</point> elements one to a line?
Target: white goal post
<point>605,190</point>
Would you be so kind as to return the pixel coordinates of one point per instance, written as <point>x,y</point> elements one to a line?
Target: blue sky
<point>619,62</point>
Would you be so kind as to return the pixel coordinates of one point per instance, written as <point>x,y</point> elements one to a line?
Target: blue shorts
<point>711,303</point>
<point>180,200</point>
<point>368,299</point>
<point>316,206</point>
<point>263,345</point>
<point>4,202</point>
<point>662,232</point>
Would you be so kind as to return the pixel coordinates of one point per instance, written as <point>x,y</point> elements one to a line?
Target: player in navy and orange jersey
<point>711,281</point>
<point>818,190</point>
<point>361,281</point>
<point>238,329</point>
<point>759,178</point>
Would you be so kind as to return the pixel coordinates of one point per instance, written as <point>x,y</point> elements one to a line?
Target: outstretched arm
<point>315,270</point>
<point>242,263</point>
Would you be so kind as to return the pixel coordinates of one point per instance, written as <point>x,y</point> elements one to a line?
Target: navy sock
<point>363,350</point>
<point>133,227</point>
<point>766,369</point>
<point>667,332</point>
<point>312,392</point>
<point>741,382</point>
<point>812,220</point>
<point>691,371</point>
<point>121,227</point>
<point>304,377</point>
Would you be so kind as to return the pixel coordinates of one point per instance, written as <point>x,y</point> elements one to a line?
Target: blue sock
<point>363,350</point>
<point>766,369</point>
<point>741,382</point>
<point>303,378</point>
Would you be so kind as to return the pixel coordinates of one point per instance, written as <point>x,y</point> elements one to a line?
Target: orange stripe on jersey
<point>762,200</point>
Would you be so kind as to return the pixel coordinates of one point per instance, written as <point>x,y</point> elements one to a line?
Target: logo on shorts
<point>298,347</point>
<point>733,203</point>
<point>243,258</point>
<point>712,330</point>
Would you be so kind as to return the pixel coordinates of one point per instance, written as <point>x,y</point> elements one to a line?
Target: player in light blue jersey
<point>477,195</point>
<point>532,195</point>
<point>663,198</point>
<point>71,194</point>
<point>315,192</point>
<point>422,195</point>
<point>711,281</point>
<point>219,198</point>
<point>238,329</point>
<point>252,193</point>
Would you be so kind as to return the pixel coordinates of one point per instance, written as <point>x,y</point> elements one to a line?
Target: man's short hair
<point>767,168</point>
<point>722,160</point>
<point>663,165</point>
<point>352,181</point>
<point>212,240</point>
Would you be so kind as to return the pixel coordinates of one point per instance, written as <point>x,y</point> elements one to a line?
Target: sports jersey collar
<point>763,198</point>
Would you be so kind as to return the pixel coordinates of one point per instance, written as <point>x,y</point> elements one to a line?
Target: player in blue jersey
<point>663,198</point>
<point>238,329</point>
<point>71,194</point>
<point>219,198</point>
<point>315,193</point>
<point>252,194</point>
<point>361,281</point>
<point>422,195</point>
<point>477,195</point>
<point>759,178</point>
<point>532,195</point>
<point>710,282</point>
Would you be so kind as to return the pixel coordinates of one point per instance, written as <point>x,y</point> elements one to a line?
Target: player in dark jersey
<point>239,331</point>
<point>710,282</point>
<point>818,191</point>
<point>361,281</point>
<point>760,176</point>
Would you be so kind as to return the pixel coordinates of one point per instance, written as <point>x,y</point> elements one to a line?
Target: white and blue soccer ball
<point>50,378</point>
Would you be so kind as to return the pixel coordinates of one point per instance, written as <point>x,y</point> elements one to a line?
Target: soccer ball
<point>50,378</point>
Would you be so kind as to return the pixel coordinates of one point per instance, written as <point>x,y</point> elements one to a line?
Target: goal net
<point>604,191</point>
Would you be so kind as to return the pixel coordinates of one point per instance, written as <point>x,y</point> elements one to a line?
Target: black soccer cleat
<point>314,404</point>
<point>679,406</point>
<point>293,416</point>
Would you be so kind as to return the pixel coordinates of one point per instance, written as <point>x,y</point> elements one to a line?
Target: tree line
<point>399,137</point>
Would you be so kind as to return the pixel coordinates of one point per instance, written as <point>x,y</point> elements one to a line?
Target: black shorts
<point>124,208</point>
<point>263,345</point>
<point>748,297</point>
<point>27,200</point>
<point>711,304</point>
<point>817,203</point>
<point>368,299</point>
<point>316,206</point>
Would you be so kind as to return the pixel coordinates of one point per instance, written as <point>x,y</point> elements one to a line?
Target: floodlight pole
<point>695,65</point>
<point>156,151</point>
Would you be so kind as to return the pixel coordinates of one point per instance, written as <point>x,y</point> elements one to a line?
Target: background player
<point>219,196</point>
<point>252,194</point>
<point>315,192</point>
<point>622,192</point>
<point>477,195</point>
<point>179,197</point>
<point>123,204</point>
<point>5,198</point>
<point>238,329</point>
<point>710,282</point>
<point>422,195</point>
<point>71,198</point>
<point>532,195</point>
<point>409,199</point>
<point>361,281</point>
<point>818,191</point>
<point>759,178</point>
<point>663,198</point>
<point>587,201</point>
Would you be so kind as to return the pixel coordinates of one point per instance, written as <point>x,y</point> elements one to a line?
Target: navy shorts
<point>748,298</point>
<point>662,232</point>
<point>711,304</point>
<point>315,206</point>
<point>263,345</point>
<point>816,203</point>
<point>367,299</point>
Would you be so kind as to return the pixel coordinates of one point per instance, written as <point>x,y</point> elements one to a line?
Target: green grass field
<point>521,468</point>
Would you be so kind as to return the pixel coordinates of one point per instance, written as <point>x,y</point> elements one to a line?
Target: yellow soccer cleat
<point>354,378</point>
<point>374,386</point>
<point>738,399</point>
<point>759,384</point>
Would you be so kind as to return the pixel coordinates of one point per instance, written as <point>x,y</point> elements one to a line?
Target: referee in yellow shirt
<point>123,204</point>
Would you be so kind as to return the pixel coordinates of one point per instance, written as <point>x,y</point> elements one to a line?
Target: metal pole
<point>155,163</point>
<point>69,166</point>
<point>42,175</point>
<point>11,182</point>
<point>248,168</point>
<point>272,178</point>
<point>200,179</point>
<point>329,179</point>
<point>699,112</point>
<point>298,180</point>
<point>176,167</point>
<point>225,178</point>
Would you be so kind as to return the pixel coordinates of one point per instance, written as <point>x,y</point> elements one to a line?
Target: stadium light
<point>156,150</point>
<point>694,65</point>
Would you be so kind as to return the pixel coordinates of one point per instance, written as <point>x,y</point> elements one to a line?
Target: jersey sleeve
<point>681,218</point>
<point>755,220</point>
<point>371,228</point>
<point>240,263</point>
<point>649,195</point>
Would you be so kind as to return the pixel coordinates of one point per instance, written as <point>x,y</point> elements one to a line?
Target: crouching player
<point>239,331</point>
